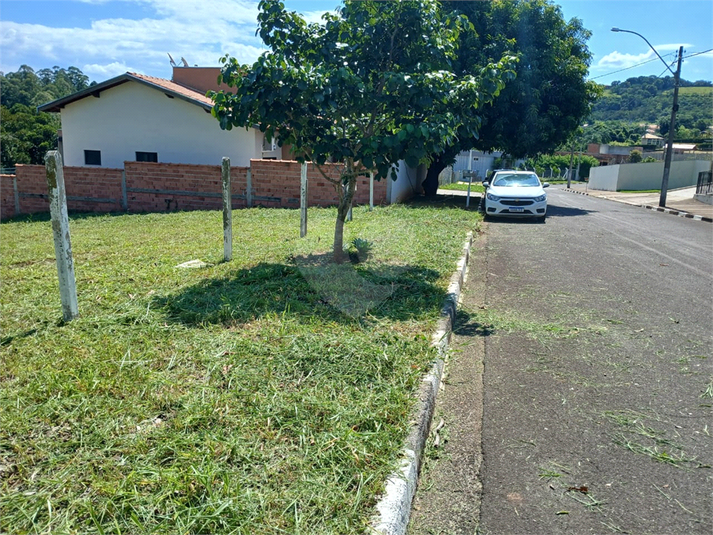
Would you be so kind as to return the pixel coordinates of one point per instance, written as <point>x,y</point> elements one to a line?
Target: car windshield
<point>516,180</point>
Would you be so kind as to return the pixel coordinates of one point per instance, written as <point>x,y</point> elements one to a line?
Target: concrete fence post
<point>249,190</point>
<point>303,200</point>
<point>62,241</point>
<point>371,191</point>
<point>349,213</point>
<point>16,194</point>
<point>124,196</point>
<point>227,212</point>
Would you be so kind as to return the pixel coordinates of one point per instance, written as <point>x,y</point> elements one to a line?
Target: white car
<point>515,194</point>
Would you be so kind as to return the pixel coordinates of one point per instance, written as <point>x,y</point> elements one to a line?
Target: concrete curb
<point>394,507</point>
<point>671,211</point>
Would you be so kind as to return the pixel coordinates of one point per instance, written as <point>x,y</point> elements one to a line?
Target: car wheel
<point>541,219</point>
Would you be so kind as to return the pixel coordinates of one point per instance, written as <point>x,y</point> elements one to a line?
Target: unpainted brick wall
<point>160,187</point>
<point>280,181</point>
<point>7,197</point>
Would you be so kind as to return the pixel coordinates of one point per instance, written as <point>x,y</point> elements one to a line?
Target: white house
<point>135,117</point>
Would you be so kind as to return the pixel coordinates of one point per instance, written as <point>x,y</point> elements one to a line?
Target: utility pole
<point>671,131</point>
<point>674,109</point>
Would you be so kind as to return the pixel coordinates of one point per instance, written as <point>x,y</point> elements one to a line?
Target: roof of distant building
<point>170,88</point>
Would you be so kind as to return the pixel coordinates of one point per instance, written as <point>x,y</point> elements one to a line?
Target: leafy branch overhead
<point>374,84</point>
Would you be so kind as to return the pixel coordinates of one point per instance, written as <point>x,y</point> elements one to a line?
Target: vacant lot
<point>265,395</point>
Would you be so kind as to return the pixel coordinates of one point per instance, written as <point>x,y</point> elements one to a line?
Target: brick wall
<point>88,189</point>
<point>277,183</point>
<point>7,197</point>
<point>160,187</point>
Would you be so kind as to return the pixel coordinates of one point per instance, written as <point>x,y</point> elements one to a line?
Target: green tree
<point>635,156</point>
<point>550,96</point>
<point>371,86</point>
<point>25,134</point>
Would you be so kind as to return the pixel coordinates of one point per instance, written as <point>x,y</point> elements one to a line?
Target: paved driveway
<point>597,380</point>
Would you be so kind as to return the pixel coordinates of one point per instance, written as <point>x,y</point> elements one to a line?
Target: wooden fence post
<point>62,241</point>
<point>227,212</point>
<point>303,200</point>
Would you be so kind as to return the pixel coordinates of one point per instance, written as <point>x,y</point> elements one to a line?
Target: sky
<point>105,38</point>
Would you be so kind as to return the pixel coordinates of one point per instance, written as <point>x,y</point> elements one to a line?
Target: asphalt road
<point>594,391</point>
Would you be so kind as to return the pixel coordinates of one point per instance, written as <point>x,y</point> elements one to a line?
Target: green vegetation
<point>25,134</point>
<point>374,85</point>
<point>242,397</point>
<point>463,186</point>
<point>648,99</point>
<point>549,97</point>
<point>556,165</point>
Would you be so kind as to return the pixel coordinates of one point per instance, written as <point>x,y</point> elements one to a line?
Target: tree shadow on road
<point>467,324</point>
<point>566,211</point>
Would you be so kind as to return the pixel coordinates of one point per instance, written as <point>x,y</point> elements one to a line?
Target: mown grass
<point>463,186</point>
<point>245,397</point>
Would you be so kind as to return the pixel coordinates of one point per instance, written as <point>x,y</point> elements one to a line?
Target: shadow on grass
<point>310,288</point>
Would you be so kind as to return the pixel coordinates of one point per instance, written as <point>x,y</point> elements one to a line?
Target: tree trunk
<point>345,190</point>
<point>430,185</point>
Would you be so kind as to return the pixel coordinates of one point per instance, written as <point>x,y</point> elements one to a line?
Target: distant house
<point>134,117</point>
<point>681,148</point>
<point>610,154</point>
<point>650,140</point>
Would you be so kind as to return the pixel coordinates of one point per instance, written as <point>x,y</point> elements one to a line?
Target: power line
<point>649,61</point>
<point>633,66</point>
<point>698,53</point>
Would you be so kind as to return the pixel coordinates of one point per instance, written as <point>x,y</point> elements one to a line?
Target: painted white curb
<point>394,508</point>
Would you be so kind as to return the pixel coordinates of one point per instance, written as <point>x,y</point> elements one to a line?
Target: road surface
<point>579,395</point>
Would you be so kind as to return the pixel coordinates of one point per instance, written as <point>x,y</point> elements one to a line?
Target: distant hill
<point>648,99</point>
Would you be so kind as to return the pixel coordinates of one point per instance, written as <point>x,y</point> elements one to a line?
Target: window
<point>92,157</point>
<point>146,156</point>
<point>269,144</point>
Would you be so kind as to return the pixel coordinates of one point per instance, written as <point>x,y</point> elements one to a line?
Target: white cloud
<point>200,32</point>
<point>96,71</point>
<point>314,16</point>
<point>618,60</point>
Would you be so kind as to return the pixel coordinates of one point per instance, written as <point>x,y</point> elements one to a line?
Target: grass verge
<point>463,186</point>
<point>269,394</point>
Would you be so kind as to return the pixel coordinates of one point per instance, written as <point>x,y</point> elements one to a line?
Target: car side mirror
<point>485,183</point>
<point>546,185</point>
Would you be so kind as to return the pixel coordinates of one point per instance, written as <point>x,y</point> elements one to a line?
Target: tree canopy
<point>549,97</point>
<point>373,85</point>
<point>25,134</point>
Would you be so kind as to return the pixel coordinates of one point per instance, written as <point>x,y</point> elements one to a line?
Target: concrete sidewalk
<point>679,200</point>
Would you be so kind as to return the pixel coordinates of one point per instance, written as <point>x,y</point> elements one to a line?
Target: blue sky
<point>105,38</point>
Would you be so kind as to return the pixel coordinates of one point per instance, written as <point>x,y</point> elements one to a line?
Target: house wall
<point>160,187</point>
<point>132,117</point>
<point>645,176</point>
<point>407,184</point>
